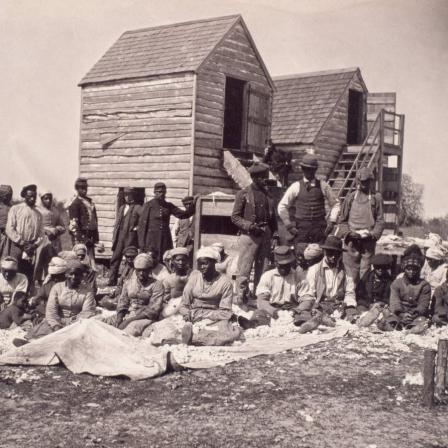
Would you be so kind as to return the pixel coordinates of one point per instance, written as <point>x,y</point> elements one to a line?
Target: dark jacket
<point>185,233</point>
<point>154,225</point>
<point>407,297</point>
<point>82,228</point>
<point>376,203</point>
<point>371,290</point>
<point>441,300</point>
<point>125,228</point>
<point>247,212</point>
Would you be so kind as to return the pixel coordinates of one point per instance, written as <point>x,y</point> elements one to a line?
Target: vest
<point>321,286</point>
<point>361,215</point>
<point>310,205</point>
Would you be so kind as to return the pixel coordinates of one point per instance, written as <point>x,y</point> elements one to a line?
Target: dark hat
<point>5,191</point>
<point>333,243</point>
<point>130,251</point>
<point>382,260</point>
<point>188,199</point>
<point>283,255</point>
<point>258,168</point>
<point>159,185</point>
<point>364,174</point>
<point>412,249</point>
<point>80,182</point>
<point>128,190</point>
<point>309,161</point>
<point>31,187</point>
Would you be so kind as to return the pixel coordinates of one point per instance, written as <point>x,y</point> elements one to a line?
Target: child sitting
<point>15,312</point>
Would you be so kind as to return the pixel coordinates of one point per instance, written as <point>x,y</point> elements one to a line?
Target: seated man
<point>10,280</point>
<point>440,316</point>
<point>174,284</point>
<point>14,314</point>
<point>328,286</point>
<point>410,297</point>
<point>278,288</point>
<point>141,299</point>
<point>374,286</point>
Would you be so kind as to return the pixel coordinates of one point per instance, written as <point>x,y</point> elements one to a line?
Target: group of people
<point>327,269</point>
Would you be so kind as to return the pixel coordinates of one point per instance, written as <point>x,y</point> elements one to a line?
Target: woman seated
<point>141,299</point>
<point>68,301</point>
<point>207,304</point>
<point>89,280</point>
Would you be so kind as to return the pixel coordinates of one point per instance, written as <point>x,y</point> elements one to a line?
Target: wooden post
<point>441,368</point>
<point>428,378</point>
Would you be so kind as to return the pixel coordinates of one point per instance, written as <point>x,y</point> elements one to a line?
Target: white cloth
<point>18,283</point>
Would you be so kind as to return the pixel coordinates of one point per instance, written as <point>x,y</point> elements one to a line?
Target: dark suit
<point>125,234</point>
<point>154,225</point>
<point>185,233</point>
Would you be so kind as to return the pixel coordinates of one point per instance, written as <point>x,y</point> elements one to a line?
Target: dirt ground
<point>327,395</point>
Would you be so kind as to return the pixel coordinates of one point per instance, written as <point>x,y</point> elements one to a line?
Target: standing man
<point>154,225</point>
<point>52,221</point>
<point>361,224</point>
<point>5,205</point>
<point>307,197</point>
<point>125,232</point>
<point>184,228</point>
<point>25,231</point>
<point>253,214</point>
<point>83,225</point>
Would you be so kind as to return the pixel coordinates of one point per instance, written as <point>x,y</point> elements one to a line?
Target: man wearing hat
<point>361,224</point>
<point>374,286</point>
<point>25,231</point>
<point>254,216</point>
<point>308,197</point>
<point>279,287</point>
<point>125,232</point>
<point>83,225</point>
<point>410,296</point>
<point>183,230</point>
<point>154,225</point>
<point>328,286</point>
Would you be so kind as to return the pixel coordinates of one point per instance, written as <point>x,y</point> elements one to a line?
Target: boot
<point>17,342</point>
<point>328,321</point>
<point>370,316</point>
<point>312,324</point>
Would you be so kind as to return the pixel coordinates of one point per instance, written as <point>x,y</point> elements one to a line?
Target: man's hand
<point>256,230</point>
<point>407,317</point>
<point>292,229</point>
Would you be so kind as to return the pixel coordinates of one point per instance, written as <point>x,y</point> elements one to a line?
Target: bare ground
<point>328,395</point>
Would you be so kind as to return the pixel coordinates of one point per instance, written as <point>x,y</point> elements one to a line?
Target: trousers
<point>310,231</point>
<point>358,258</point>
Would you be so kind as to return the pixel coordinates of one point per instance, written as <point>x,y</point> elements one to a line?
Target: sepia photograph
<point>223,224</point>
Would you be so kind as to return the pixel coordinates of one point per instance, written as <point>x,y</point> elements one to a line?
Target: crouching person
<point>68,301</point>
<point>15,314</point>
<point>328,287</point>
<point>410,297</point>
<point>141,299</point>
<point>440,298</point>
<point>207,304</point>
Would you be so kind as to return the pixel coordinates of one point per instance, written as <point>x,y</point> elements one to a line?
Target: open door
<point>259,109</point>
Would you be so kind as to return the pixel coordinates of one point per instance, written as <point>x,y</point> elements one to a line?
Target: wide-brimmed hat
<point>382,260</point>
<point>258,168</point>
<point>364,174</point>
<point>309,161</point>
<point>283,255</point>
<point>333,243</point>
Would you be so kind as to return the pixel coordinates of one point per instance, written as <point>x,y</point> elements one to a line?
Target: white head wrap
<point>433,240</point>
<point>143,261</point>
<point>57,266</point>
<point>9,263</point>
<point>312,251</point>
<point>435,253</point>
<point>208,252</point>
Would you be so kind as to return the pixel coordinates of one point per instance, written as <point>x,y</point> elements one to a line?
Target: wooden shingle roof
<point>302,103</point>
<point>160,50</point>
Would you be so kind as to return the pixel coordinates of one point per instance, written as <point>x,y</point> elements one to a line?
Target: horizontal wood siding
<point>147,125</point>
<point>332,138</point>
<point>234,57</point>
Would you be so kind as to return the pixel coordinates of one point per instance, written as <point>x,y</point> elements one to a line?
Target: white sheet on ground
<point>91,346</point>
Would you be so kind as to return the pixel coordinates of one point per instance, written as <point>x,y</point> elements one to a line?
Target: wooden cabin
<point>332,114</point>
<point>163,104</point>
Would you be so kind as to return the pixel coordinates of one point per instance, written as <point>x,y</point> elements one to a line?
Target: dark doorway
<point>139,197</point>
<point>355,117</point>
<point>233,113</point>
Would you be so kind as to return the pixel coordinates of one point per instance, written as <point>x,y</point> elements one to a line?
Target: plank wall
<point>151,121</point>
<point>234,57</point>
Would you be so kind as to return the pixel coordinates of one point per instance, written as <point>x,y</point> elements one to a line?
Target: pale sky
<point>48,46</point>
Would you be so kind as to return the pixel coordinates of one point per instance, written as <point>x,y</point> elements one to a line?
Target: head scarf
<point>67,255</point>
<point>219,246</point>
<point>44,192</point>
<point>143,261</point>
<point>57,266</point>
<point>312,251</point>
<point>179,251</point>
<point>433,240</point>
<point>9,263</point>
<point>435,253</point>
<point>208,252</point>
<point>79,248</point>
